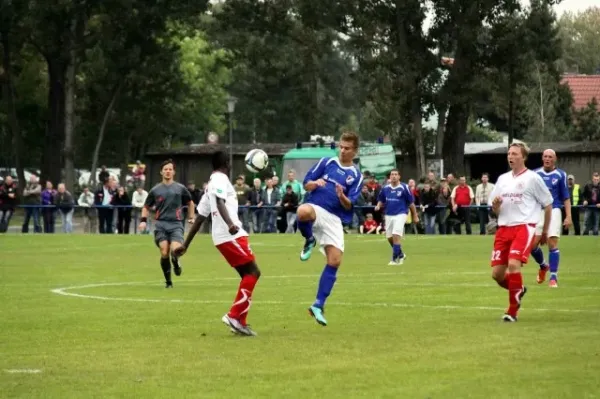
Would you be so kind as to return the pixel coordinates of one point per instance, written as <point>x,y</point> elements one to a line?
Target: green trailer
<point>377,158</point>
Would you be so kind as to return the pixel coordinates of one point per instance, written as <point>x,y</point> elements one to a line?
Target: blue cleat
<point>317,313</point>
<point>308,248</point>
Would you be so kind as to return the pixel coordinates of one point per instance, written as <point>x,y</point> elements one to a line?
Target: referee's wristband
<point>143,220</point>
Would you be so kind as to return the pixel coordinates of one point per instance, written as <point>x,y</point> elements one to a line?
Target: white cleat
<point>236,327</point>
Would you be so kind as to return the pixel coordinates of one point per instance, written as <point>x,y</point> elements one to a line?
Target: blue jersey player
<point>397,200</point>
<point>556,181</point>
<point>333,185</point>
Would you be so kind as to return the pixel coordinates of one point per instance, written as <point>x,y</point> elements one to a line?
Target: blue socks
<point>305,229</point>
<point>396,251</point>
<point>538,255</point>
<point>326,283</point>
<point>554,257</point>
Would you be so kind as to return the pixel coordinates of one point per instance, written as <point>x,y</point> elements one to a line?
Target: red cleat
<point>541,277</point>
<point>553,284</point>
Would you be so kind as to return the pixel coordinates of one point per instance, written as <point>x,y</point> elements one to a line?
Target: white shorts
<point>328,229</point>
<point>555,224</point>
<point>394,225</point>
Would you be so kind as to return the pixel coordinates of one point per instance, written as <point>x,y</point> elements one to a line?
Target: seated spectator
<point>369,226</point>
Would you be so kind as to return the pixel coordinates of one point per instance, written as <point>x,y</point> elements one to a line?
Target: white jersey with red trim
<point>522,195</point>
<point>219,186</point>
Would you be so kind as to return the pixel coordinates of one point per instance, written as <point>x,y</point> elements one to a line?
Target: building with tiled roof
<point>583,88</point>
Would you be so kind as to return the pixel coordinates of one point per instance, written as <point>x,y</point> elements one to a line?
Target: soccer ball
<point>256,160</point>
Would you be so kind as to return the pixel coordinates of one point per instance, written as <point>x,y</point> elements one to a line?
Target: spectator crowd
<point>269,206</point>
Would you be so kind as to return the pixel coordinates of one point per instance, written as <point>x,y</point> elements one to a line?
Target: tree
<point>399,68</point>
<point>581,42</point>
<point>588,122</point>
<point>290,72</point>
<point>461,29</point>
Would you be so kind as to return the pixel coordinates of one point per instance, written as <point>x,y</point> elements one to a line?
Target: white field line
<point>23,371</point>
<point>65,291</point>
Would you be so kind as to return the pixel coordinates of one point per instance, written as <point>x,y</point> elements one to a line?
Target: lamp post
<point>230,109</point>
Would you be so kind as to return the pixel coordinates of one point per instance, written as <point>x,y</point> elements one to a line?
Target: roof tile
<point>584,88</point>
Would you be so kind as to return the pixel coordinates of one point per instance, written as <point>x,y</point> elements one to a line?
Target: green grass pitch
<point>89,317</point>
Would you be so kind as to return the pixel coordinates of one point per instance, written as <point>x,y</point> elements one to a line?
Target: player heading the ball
<point>220,201</point>
<point>333,185</point>
<point>516,200</point>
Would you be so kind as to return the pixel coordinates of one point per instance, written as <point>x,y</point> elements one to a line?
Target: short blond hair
<point>524,148</point>
<point>350,137</point>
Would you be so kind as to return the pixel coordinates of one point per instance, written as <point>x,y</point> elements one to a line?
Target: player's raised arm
<point>314,177</point>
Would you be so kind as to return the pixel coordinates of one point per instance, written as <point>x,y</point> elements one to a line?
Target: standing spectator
<point>8,202</point>
<point>48,209</point>
<point>290,205</point>
<point>195,192</point>
<point>429,208</point>
<point>32,198</point>
<point>86,202</point>
<point>103,201</point>
<point>591,199</point>
<point>123,204</point>
<point>482,196</point>
<point>271,198</point>
<point>461,198</point>
<point>138,199</point>
<point>443,202</point>
<point>66,206</point>
<point>431,179</point>
<point>242,190</point>
<point>575,193</point>
<point>255,201</point>
<point>297,187</point>
<point>103,175</point>
<point>451,181</point>
<point>275,180</point>
<point>412,185</point>
<point>139,178</point>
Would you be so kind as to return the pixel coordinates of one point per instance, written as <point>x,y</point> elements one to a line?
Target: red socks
<point>515,286</point>
<point>243,299</point>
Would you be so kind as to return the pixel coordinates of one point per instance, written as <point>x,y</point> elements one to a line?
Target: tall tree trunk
<point>542,116</point>
<point>418,136</point>
<point>454,138</point>
<point>70,109</point>
<point>9,95</point>
<point>511,103</point>
<point>109,108</point>
<point>439,135</point>
<point>53,144</point>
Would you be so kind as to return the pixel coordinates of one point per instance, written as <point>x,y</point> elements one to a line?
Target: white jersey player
<point>516,200</point>
<point>220,202</point>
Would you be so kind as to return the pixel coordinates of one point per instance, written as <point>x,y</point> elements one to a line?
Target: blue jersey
<point>330,170</point>
<point>397,199</point>
<point>556,181</point>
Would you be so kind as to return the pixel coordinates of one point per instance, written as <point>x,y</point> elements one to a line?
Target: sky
<point>574,6</point>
